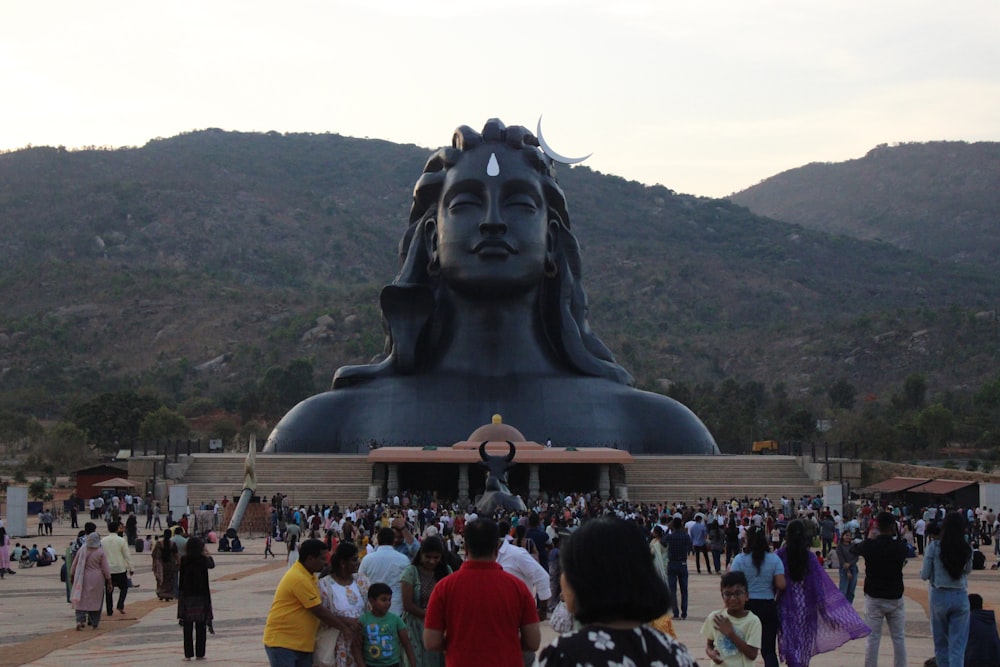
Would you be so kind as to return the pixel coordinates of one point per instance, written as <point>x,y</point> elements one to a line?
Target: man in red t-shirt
<point>481,616</point>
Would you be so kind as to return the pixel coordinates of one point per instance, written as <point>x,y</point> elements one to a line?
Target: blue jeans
<point>678,573</point>
<point>847,585</point>
<point>286,657</point>
<point>950,625</point>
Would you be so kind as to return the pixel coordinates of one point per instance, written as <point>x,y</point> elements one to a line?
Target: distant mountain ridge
<point>940,199</point>
<point>194,263</point>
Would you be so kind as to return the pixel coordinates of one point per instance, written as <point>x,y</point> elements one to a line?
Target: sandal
<point>79,626</point>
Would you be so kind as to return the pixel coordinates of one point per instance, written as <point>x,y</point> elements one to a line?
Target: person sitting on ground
<point>224,543</point>
<point>44,558</point>
<point>236,546</point>
<point>983,647</point>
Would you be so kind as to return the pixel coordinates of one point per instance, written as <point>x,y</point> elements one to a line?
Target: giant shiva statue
<point>488,315</point>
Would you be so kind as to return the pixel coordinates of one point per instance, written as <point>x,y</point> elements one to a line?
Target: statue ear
<point>431,236</point>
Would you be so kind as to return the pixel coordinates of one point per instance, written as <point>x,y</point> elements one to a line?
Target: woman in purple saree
<point>815,616</point>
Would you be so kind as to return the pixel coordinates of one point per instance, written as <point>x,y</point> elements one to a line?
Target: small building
<point>88,479</point>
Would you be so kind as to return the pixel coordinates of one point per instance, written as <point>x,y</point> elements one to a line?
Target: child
<point>267,546</point>
<point>383,632</point>
<point>732,634</point>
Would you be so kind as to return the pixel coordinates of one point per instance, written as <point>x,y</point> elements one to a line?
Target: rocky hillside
<point>193,264</point>
<point>939,199</point>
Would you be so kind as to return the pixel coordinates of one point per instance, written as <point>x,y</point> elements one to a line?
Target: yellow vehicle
<point>765,447</point>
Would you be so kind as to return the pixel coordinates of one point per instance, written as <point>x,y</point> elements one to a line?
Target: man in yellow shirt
<point>297,611</point>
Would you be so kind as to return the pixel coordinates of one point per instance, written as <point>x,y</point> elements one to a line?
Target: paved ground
<point>37,625</point>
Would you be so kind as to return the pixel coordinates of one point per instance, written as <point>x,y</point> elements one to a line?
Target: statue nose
<point>493,225</point>
<point>493,228</point>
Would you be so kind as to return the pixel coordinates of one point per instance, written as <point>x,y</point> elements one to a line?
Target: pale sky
<point>705,97</point>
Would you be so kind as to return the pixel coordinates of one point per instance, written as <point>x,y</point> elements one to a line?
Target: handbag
<point>62,573</point>
<point>325,653</point>
<point>561,620</point>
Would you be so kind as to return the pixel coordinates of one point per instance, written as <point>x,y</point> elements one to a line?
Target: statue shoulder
<point>664,420</point>
<point>313,424</point>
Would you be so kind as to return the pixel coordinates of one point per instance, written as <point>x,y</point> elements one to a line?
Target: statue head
<point>488,220</point>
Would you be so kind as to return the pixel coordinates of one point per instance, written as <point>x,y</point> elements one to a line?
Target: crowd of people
<point>774,552</point>
<point>420,582</point>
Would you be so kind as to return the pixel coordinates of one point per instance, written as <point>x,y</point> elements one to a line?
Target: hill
<point>938,199</point>
<point>194,264</point>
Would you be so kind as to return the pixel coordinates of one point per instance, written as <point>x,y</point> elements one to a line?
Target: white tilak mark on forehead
<point>493,167</point>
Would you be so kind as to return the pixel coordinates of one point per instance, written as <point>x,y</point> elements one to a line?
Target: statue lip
<point>494,246</point>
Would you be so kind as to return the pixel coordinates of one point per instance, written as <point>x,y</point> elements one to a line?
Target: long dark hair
<point>168,550</point>
<point>344,553</point>
<point>194,550</point>
<point>757,546</point>
<point>433,545</point>
<point>955,551</point>
<point>608,565</point>
<point>797,549</point>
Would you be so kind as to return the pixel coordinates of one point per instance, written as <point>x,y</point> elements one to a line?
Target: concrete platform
<point>37,624</point>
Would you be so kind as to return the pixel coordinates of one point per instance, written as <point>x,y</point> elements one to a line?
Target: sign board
<point>215,445</point>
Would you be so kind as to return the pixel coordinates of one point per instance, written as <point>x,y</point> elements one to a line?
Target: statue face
<point>492,232</point>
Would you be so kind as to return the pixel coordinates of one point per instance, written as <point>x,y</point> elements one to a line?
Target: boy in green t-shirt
<point>383,632</point>
<point>732,634</point>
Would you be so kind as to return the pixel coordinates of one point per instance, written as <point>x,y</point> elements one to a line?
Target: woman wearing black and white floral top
<point>610,585</point>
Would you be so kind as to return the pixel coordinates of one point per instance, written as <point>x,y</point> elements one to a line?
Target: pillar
<point>392,486</point>
<point>604,482</point>
<point>463,484</point>
<point>534,486</point>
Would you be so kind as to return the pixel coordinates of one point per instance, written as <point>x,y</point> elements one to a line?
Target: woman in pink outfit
<point>90,576</point>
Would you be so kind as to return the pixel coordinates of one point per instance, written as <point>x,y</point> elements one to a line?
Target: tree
<point>38,490</point>
<point>842,394</point>
<point>163,424</point>
<point>937,424</point>
<point>800,425</point>
<point>914,392</point>
<point>65,448</point>
<point>113,419</point>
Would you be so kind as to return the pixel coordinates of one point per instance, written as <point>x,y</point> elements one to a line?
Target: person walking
<point>4,553</point>
<point>481,610</point>
<point>946,568</point>
<point>419,579</point>
<point>699,543</point>
<point>120,562</point>
<point>765,574</point>
<point>885,556</point>
<point>165,558</point>
<point>297,610</point>
<point>678,544</point>
<point>385,566</point>
<point>847,563</point>
<point>815,617</point>
<point>90,577</point>
<point>194,600</point>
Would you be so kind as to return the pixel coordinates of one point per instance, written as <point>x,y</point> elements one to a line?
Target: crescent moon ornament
<point>552,154</point>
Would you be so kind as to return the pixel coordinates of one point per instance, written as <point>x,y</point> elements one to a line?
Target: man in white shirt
<point>385,565</point>
<point>120,560</point>
<point>920,529</point>
<point>521,564</point>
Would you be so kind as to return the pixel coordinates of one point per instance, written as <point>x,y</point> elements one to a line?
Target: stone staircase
<point>304,478</point>
<point>686,478</point>
<point>309,478</point>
